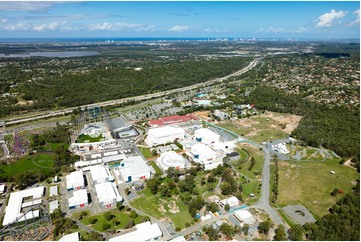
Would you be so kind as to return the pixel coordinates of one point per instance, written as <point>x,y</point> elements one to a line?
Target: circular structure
<point>138,185</point>
<point>34,229</point>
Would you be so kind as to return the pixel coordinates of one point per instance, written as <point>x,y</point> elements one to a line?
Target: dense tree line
<point>335,128</point>
<point>102,84</point>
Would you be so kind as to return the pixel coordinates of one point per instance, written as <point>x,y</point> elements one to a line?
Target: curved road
<point>263,202</point>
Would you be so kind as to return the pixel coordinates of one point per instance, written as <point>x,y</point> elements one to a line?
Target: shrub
<point>106,226</point>
<point>93,220</point>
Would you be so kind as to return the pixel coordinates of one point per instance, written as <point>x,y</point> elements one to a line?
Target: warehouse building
<point>206,136</point>
<point>107,194</point>
<point>79,199</point>
<point>70,237</point>
<point>172,159</point>
<point>144,232</point>
<point>231,201</point>
<point>53,205</point>
<point>75,181</point>
<point>99,174</point>
<point>165,134</point>
<point>134,168</point>
<point>23,200</point>
<point>245,217</point>
<point>204,155</point>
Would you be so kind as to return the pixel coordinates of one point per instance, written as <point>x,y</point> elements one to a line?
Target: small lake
<point>60,54</point>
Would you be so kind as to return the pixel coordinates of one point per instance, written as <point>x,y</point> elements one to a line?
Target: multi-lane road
<point>49,114</point>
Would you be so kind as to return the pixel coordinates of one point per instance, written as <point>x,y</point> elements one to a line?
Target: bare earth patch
<point>161,208</point>
<point>202,114</point>
<point>290,120</point>
<point>173,208</point>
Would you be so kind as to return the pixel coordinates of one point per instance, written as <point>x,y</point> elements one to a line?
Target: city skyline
<point>84,19</point>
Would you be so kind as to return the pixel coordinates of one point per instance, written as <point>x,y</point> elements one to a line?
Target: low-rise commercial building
<point>245,217</point>
<point>75,181</point>
<point>70,237</point>
<point>165,134</point>
<point>99,174</point>
<point>134,168</point>
<point>231,201</point>
<point>144,232</point>
<point>107,194</point>
<point>206,136</point>
<point>79,199</point>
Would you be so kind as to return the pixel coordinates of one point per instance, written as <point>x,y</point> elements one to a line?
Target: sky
<point>119,19</point>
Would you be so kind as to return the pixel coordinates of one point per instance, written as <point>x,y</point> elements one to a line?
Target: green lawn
<point>288,220</point>
<point>159,207</point>
<point>121,217</point>
<point>251,187</point>
<point>55,146</point>
<point>240,130</point>
<point>242,167</point>
<point>39,162</point>
<point>266,135</point>
<point>146,152</point>
<point>310,184</point>
<point>243,154</point>
<point>156,168</point>
<point>86,138</point>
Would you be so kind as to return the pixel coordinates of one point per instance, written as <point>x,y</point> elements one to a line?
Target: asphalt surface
<point>52,113</point>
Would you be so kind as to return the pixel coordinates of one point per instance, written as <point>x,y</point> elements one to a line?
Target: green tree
<point>245,229</point>
<point>280,234</point>
<point>264,227</point>
<point>227,207</point>
<point>295,233</point>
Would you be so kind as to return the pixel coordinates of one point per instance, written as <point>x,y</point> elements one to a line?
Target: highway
<point>36,116</point>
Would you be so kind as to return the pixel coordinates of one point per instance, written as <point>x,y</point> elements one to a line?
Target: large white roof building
<point>16,203</point>
<point>134,168</point>
<point>75,181</point>
<point>107,194</point>
<point>231,201</point>
<point>164,134</point>
<point>145,232</point>
<point>206,136</point>
<point>70,237</point>
<point>99,174</point>
<point>244,216</point>
<point>79,199</point>
<point>172,159</point>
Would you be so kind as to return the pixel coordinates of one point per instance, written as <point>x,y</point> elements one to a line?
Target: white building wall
<point>164,135</point>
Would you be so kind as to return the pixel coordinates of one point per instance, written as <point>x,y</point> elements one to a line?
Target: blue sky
<point>288,19</point>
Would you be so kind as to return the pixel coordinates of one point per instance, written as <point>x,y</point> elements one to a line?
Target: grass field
<point>86,138</point>
<point>251,187</point>
<point>156,168</point>
<point>121,218</point>
<point>39,162</point>
<point>55,146</point>
<point>146,152</point>
<point>242,167</point>
<point>263,130</point>
<point>310,184</point>
<point>243,154</point>
<point>159,207</point>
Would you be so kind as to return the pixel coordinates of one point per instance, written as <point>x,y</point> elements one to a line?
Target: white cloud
<point>120,26</point>
<point>207,30</point>
<point>179,28</point>
<point>46,27</point>
<point>356,21</point>
<point>327,19</point>
<point>38,6</point>
<point>16,27</point>
<point>301,30</point>
<point>3,20</point>
<point>270,30</point>
<point>103,26</point>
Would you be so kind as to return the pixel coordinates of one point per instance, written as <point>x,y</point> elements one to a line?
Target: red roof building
<point>176,119</point>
